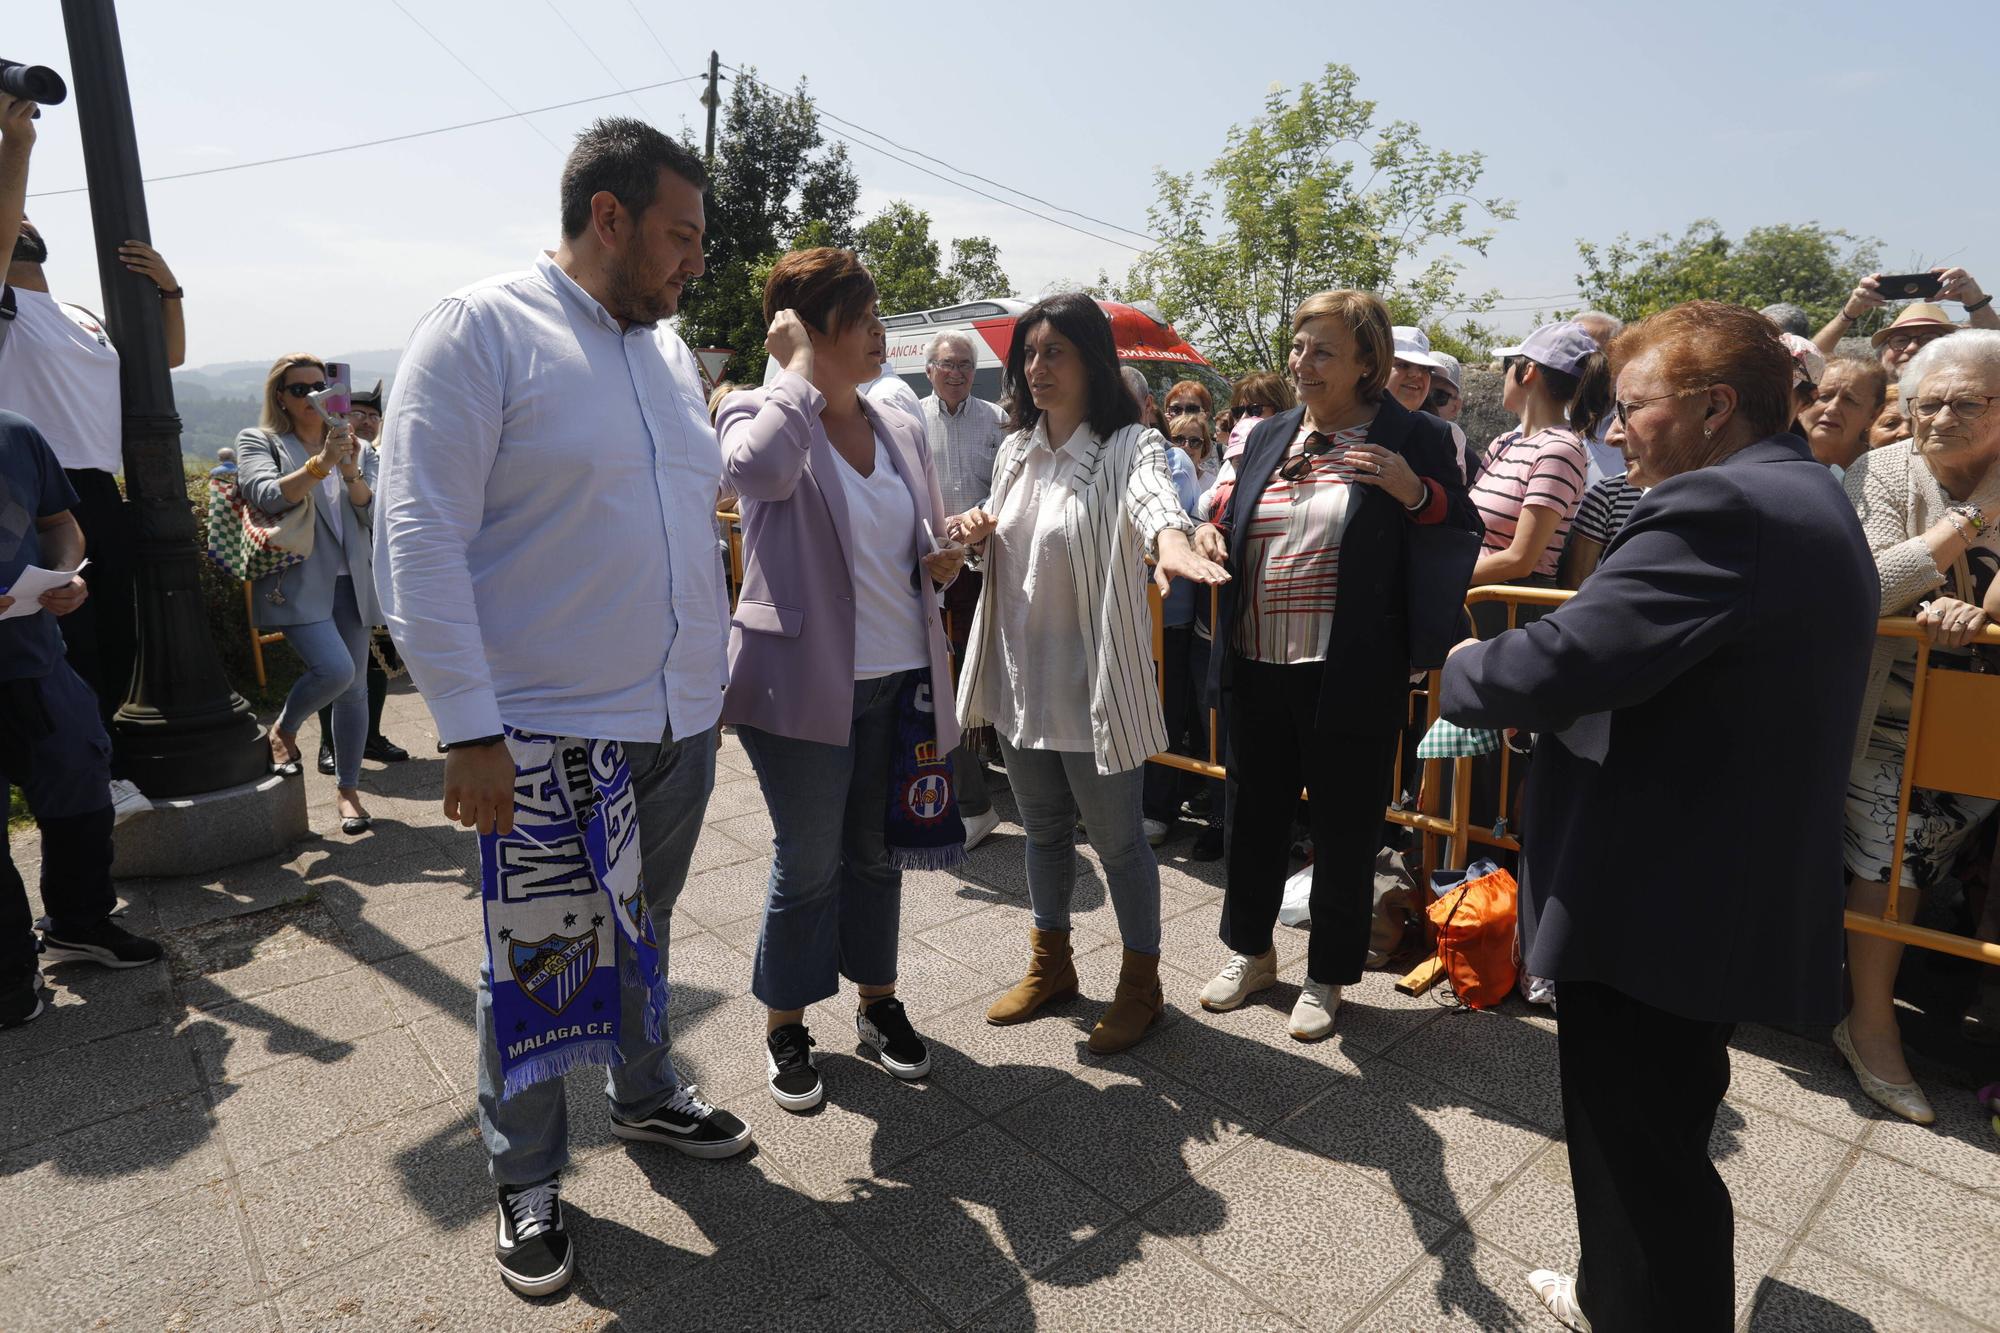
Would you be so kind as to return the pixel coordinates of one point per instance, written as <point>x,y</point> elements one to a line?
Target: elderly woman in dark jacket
<point>1314,641</point>
<point>1707,678</point>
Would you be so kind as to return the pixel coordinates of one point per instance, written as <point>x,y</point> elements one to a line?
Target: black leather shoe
<point>385,751</point>
<point>326,761</point>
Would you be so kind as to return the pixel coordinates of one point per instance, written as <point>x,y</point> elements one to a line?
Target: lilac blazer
<point>791,641</point>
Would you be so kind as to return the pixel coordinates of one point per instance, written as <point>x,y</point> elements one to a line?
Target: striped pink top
<point>1546,470</point>
<point>1291,558</point>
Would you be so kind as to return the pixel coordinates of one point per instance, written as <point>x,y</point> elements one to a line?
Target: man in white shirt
<point>546,560</point>
<point>59,370</point>
<point>964,434</point>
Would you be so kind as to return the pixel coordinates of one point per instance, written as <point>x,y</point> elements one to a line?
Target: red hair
<point>1701,343</point>
<point>828,288</point>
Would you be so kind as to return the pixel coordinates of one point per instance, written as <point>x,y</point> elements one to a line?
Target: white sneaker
<point>1240,978</point>
<point>127,800</point>
<point>979,827</point>
<point>1558,1293</point>
<point>1156,832</point>
<point>1312,1016</point>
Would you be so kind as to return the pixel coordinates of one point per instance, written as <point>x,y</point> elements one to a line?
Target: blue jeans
<point>527,1135</point>
<point>336,656</point>
<point>835,898</point>
<point>1051,787</point>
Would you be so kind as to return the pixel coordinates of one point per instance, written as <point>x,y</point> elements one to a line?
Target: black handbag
<point>1438,572</point>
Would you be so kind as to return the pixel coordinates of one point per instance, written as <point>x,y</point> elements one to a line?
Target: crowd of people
<point>933,588</point>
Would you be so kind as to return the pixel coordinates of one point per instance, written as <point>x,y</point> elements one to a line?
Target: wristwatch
<point>476,743</point>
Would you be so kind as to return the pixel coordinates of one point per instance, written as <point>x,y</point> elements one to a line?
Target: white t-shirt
<point>332,496</point>
<point>59,370</point>
<point>889,630</point>
<point>1040,698</point>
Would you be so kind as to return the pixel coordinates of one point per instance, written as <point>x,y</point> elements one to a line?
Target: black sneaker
<point>533,1248</point>
<point>1207,847</point>
<point>21,1002</point>
<point>886,1027</point>
<point>688,1123</point>
<point>107,944</point>
<point>326,760</point>
<point>385,751</point>
<point>789,1063</point>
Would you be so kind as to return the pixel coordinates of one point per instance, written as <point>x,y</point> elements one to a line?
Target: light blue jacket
<point>306,589</point>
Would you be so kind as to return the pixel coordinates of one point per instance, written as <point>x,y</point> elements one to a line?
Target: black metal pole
<point>181,729</point>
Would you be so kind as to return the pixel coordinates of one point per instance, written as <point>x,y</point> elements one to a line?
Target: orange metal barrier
<point>259,639</point>
<point>1954,740</point>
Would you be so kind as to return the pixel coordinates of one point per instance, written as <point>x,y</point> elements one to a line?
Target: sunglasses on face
<point>1183,409</point>
<point>1251,410</point>
<point>1299,464</point>
<point>306,390</point>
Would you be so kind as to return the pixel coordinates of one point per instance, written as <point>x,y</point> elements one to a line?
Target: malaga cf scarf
<point>566,921</point>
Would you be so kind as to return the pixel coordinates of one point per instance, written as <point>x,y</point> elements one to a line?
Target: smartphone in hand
<point>1908,286</point>
<point>336,400</point>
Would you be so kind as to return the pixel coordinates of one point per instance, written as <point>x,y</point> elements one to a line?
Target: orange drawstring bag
<point>1476,922</point>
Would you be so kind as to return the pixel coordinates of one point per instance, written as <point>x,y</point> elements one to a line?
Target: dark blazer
<point>1696,704</point>
<point>1368,648</point>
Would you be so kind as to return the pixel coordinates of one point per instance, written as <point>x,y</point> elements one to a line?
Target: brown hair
<point>1701,343</point>
<point>827,288</point>
<point>1195,388</point>
<point>272,417</point>
<point>1871,382</point>
<point>721,391</point>
<point>1264,388</point>
<point>1363,315</point>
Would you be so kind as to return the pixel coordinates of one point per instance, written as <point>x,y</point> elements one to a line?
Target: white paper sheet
<point>29,587</point>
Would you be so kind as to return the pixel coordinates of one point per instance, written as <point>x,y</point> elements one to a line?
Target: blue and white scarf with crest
<point>566,922</point>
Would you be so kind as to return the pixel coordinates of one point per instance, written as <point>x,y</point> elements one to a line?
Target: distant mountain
<point>241,379</point>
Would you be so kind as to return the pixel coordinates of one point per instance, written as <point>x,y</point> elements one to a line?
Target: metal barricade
<point>1954,738</point>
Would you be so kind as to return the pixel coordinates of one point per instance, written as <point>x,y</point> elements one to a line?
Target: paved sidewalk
<point>276,1132</point>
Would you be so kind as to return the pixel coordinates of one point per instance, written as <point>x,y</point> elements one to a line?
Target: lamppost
<point>181,730</point>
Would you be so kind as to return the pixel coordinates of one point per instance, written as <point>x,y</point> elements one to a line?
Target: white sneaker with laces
<point>1240,978</point>
<point>1156,831</point>
<point>1558,1293</point>
<point>127,800</point>
<point>1312,1016</point>
<point>980,827</point>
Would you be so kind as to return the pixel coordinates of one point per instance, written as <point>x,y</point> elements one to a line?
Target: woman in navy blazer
<point>1313,642</point>
<point>838,609</point>
<point>1681,845</point>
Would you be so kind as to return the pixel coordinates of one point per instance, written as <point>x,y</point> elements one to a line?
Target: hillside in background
<point>217,401</point>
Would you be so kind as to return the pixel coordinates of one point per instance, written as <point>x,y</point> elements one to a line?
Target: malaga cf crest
<point>552,970</point>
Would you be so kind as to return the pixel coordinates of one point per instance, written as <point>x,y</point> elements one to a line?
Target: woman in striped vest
<point>1059,660</point>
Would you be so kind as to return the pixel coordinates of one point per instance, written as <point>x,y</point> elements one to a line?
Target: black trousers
<point>102,635</point>
<point>1276,747</point>
<point>1640,1088</point>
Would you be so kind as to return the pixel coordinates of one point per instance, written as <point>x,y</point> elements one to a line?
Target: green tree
<point>774,184</point>
<point>1808,265</point>
<point>975,270</point>
<point>897,246</point>
<point>1311,195</point>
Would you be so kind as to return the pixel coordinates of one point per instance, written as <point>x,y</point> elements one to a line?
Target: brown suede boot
<point>1051,976</point>
<point>1133,1007</point>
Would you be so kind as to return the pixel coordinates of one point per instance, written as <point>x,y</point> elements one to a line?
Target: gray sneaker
<point>1240,978</point>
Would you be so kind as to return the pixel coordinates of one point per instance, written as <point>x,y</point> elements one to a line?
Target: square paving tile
<point>1806,1080</point>
<point>299,1104</point>
<point>727,893</point>
<point>315,1211</point>
<point>1466,1287</point>
<point>966,1221</point>
<point>1132,1281</point>
<point>933,897</point>
<point>1503,1056</point>
<point>85,1003</point>
<point>1776,1169</point>
<point>426,913</point>
<point>443,979</point>
<point>1960,1145</point>
<point>722,1048</point>
<point>318,1019</point>
<point>1245,1058</point>
<point>993,941</point>
<point>702,971</point>
<point>452,1047</point>
<point>1130,1131</point>
<point>239,958</point>
<point>1815,1294</point>
<point>1265,1218</point>
<point>96,1081</point>
<point>993,1067</point>
<point>102,1171</point>
<point>180,1265</point>
<point>1415,1137</point>
<point>1917,1231</point>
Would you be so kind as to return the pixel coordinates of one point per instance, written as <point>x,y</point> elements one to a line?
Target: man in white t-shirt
<point>59,370</point>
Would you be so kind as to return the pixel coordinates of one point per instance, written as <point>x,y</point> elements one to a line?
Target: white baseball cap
<point>1413,345</point>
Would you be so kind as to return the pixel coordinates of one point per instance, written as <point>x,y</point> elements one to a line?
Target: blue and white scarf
<point>566,923</point>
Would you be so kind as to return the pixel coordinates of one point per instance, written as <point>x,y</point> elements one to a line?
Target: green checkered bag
<point>1448,740</point>
<point>248,543</point>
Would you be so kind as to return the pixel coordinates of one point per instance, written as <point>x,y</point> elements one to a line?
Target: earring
<point>1707,433</point>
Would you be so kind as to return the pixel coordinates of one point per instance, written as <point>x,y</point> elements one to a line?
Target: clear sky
<point>1596,119</point>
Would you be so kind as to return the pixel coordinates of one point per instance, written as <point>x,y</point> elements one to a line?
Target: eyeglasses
<point>1252,410</point>
<point>1623,411</point>
<point>1183,409</point>
<point>1191,442</point>
<point>954,367</point>
<point>1299,464</point>
<point>306,390</point>
<point>1896,342</point>
<point>1965,409</point>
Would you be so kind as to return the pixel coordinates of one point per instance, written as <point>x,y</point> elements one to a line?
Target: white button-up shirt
<point>544,519</point>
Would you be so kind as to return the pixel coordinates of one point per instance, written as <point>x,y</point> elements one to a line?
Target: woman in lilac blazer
<point>838,609</point>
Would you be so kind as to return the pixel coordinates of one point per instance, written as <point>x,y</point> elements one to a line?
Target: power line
<point>647,24</point>
<point>1008,203</point>
<point>475,73</point>
<point>394,138</point>
<point>589,50</point>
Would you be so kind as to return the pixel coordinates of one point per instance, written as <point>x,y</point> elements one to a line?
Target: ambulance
<point>1145,341</point>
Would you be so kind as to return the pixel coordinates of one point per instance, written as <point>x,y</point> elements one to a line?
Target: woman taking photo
<point>833,631</point>
<point>1059,661</point>
<point>1930,514</point>
<point>1316,666</point>
<point>326,603</point>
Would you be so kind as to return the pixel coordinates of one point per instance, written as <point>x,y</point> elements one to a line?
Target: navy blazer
<point>1696,702</point>
<point>1367,676</point>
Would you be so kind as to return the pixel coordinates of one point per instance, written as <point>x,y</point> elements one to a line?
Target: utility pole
<point>181,730</point>
<point>711,98</point>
